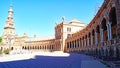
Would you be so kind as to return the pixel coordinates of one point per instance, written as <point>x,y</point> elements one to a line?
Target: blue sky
<point>39,16</point>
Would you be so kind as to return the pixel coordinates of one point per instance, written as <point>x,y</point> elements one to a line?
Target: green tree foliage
<point>0,51</point>
<point>6,51</point>
<point>0,39</point>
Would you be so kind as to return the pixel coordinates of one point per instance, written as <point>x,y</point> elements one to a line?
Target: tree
<point>0,39</point>
<point>6,51</point>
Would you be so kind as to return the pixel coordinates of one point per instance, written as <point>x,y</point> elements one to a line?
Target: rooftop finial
<point>10,7</point>
<point>63,19</point>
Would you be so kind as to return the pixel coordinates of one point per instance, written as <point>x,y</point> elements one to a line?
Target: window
<point>11,24</point>
<point>68,29</point>
<point>68,36</point>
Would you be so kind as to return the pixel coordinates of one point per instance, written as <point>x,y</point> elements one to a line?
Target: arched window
<point>67,44</point>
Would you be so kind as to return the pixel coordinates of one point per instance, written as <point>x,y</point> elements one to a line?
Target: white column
<point>110,30</point>
<point>88,41</point>
<point>79,43</point>
<point>74,44</point>
<point>96,37</point>
<point>84,42</point>
<point>91,40</point>
<point>69,44</point>
<point>101,35</point>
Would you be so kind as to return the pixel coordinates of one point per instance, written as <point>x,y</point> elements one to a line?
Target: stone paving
<point>49,60</point>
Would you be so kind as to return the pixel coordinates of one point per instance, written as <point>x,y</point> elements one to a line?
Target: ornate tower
<point>8,35</point>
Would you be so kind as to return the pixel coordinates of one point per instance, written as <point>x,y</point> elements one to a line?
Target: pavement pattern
<point>49,60</point>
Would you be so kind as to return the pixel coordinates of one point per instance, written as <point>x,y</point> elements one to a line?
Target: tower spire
<point>63,19</point>
<point>9,28</point>
<point>10,12</point>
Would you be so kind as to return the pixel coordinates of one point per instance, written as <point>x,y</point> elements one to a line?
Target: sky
<point>38,17</point>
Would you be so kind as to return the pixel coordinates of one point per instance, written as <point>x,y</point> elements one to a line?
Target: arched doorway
<point>67,45</point>
<point>33,47</point>
<point>80,42</point>
<point>104,27</point>
<point>83,41</point>
<point>30,47</point>
<point>70,44</point>
<point>45,47</point>
<point>25,47</point>
<point>93,37</point>
<point>22,47</point>
<point>86,40</point>
<point>40,47</point>
<point>89,36</point>
<point>12,48</point>
<point>98,33</point>
<point>77,43</point>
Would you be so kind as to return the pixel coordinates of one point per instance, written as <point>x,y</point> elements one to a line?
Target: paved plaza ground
<point>49,60</point>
